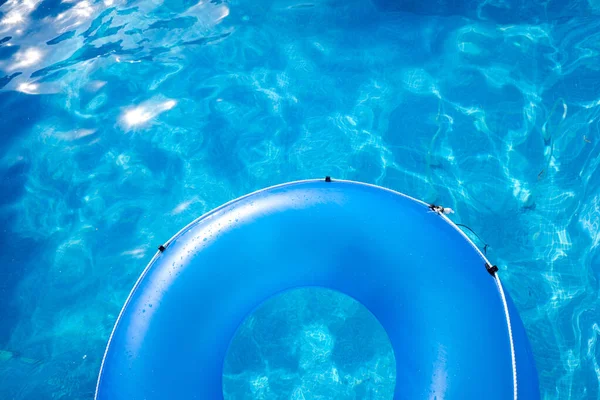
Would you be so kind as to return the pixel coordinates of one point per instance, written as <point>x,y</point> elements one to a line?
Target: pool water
<point>310,343</point>
<point>121,121</point>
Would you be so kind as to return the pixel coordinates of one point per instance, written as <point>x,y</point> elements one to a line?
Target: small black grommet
<point>161,248</point>
<point>327,179</point>
<point>436,209</point>
<point>491,269</point>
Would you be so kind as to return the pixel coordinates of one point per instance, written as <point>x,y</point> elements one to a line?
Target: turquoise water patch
<point>310,343</point>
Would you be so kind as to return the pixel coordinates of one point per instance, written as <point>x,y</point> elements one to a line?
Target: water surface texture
<point>121,121</point>
<point>310,343</point>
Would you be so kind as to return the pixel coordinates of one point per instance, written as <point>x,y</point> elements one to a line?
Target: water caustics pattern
<point>307,343</point>
<point>121,121</point>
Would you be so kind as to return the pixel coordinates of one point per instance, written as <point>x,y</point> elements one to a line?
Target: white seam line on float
<point>510,335</point>
<point>504,304</point>
<point>114,329</point>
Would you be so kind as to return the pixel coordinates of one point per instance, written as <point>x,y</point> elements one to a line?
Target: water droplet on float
<point>150,305</point>
<point>204,240</point>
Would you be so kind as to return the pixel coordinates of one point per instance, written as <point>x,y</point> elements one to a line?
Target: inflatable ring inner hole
<point>308,342</point>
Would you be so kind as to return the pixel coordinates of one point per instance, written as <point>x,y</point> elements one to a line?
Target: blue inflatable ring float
<point>455,333</point>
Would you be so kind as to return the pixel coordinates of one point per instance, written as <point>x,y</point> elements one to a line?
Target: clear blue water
<point>310,343</point>
<point>121,121</point>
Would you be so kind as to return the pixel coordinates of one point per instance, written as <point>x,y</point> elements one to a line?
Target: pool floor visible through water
<point>310,343</point>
